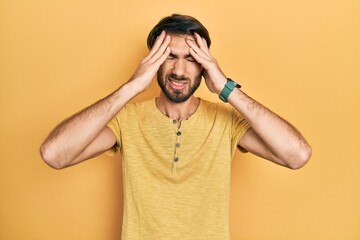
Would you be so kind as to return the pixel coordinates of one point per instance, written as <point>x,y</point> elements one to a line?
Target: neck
<point>177,111</point>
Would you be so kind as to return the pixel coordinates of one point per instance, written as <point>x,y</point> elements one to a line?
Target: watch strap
<point>228,88</point>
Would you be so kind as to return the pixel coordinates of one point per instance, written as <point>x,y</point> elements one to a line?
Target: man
<point>176,149</point>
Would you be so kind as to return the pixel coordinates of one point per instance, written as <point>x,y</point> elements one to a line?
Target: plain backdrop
<point>299,58</point>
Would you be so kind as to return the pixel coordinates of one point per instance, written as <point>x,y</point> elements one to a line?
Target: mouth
<point>176,84</point>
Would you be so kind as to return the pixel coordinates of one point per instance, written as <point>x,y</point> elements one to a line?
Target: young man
<point>176,149</point>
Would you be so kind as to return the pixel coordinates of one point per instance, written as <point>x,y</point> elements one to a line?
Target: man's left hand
<point>214,77</point>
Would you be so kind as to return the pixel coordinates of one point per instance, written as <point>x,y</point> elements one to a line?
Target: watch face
<point>234,83</point>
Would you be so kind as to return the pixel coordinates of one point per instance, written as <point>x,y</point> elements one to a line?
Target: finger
<point>163,57</point>
<point>161,49</point>
<point>197,50</point>
<point>206,46</point>
<point>158,42</point>
<point>200,59</point>
<point>202,43</point>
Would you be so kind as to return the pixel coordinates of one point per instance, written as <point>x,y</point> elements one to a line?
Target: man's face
<point>180,75</point>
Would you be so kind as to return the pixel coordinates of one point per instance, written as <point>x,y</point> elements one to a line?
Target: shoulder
<point>216,107</point>
<point>138,106</point>
<point>137,111</point>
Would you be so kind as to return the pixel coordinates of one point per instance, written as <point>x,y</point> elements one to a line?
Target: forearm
<point>283,140</point>
<point>82,135</point>
<point>69,139</point>
<point>271,137</point>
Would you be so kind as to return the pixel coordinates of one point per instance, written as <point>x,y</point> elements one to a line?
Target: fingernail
<point>162,33</point>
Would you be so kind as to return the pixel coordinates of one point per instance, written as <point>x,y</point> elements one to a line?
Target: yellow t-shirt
<point>177,180</point>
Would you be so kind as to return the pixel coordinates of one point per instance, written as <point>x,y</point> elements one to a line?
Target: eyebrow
<point>176,56</point>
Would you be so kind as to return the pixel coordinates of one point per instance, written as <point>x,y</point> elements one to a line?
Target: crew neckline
<point>168,119</point>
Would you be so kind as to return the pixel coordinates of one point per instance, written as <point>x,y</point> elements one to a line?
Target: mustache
<point>176,77</point>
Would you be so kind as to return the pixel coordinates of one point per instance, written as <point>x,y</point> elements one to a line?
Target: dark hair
<point>178,24</point>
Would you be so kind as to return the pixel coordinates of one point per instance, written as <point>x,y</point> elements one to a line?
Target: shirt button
<point>178,133</point>
<point>174,121</point>
<point>178,145</point>
<point>176,159</point>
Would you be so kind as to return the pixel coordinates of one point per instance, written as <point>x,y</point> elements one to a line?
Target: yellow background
<point>299,58</point>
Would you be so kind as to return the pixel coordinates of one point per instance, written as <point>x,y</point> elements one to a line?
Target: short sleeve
<point>114,125</point>
<point>239,127</point>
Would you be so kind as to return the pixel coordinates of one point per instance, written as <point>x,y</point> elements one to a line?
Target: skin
<point>180,74</point>
<point>178,61</point>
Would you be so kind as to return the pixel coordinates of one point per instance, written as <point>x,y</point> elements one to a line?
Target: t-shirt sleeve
<point>114,125</point>
<point>239,127</point>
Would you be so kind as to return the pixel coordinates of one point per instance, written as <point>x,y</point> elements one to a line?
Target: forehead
<point>178,44</point>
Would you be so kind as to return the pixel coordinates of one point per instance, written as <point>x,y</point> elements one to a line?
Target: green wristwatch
<point>228,88</point>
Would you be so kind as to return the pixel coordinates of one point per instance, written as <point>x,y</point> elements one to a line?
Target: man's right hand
<point>85,134</point>
<point>149,66</point>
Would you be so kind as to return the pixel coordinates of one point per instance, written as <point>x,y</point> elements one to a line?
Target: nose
<point>179,67</point>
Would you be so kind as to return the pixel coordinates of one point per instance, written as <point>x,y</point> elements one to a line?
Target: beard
<point>178,96</point>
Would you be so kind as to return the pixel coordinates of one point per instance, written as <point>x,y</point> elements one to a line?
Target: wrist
<point>228,89</point>
<point>134,86</point>
<point>221,85</point>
